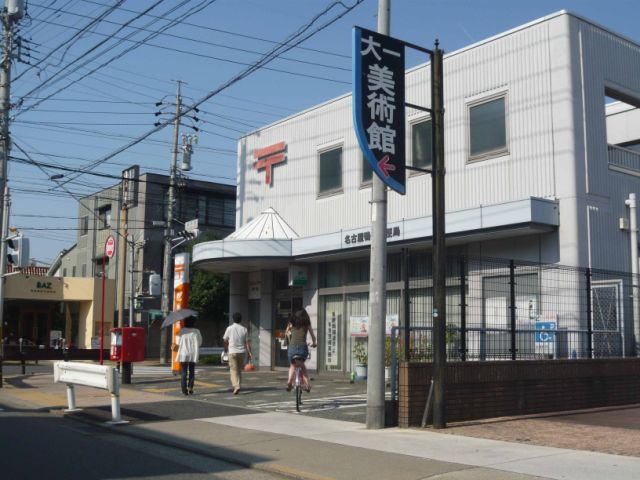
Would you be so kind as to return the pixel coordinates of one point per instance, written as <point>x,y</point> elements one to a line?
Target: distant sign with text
<point>378,104</point>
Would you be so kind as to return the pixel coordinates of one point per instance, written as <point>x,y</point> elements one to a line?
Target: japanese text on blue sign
<point>378,104</point>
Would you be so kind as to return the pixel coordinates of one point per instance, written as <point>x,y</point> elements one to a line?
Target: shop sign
<point>378,104</point>
<point>364,236</point>
<point>359,324</point>
<point>266,158</point>
<point>298,275</point>
<point>42,286</point>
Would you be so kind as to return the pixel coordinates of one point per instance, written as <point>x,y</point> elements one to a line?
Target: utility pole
<point>12,12</point>
<point>167,267</point>
<point>439,248</point>
<point>378,280</point>
<point>122,259</point>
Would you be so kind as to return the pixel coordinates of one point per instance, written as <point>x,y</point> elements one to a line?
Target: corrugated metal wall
<point>608,62</point>
<point>553,74</point>
<point>517,64</point>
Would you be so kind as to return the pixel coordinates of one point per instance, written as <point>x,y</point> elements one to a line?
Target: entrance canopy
<point>267,242</point>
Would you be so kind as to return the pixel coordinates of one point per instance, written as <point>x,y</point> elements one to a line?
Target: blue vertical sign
<point>378,104</point>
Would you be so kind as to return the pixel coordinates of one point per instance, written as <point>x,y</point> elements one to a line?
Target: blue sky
<point>97,112</point>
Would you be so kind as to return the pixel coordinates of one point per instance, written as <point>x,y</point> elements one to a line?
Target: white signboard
<point>331,340</point>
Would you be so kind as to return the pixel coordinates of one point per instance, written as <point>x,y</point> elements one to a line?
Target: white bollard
<point>71,399</point>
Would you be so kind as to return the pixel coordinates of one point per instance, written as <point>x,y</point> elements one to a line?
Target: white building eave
<point>522,217</point>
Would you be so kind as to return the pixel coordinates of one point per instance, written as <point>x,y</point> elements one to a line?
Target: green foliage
<point>387,351</point>
<point>360,352</point>
<point>209,295</point>
<point>209,360</point>
<point>209,292</point>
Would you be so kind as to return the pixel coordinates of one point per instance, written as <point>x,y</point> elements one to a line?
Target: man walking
<point>236,343</point>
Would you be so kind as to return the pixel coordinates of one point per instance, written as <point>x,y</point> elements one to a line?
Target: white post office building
<point>542,149</point>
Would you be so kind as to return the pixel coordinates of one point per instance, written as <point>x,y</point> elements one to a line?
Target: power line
<point>299,37</point>
<point>195,40</point>
<point>77,35</point>
<point>236,34</point>
<point>101,43</point>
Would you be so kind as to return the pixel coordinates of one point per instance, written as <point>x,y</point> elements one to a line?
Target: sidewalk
<point>313,448</point>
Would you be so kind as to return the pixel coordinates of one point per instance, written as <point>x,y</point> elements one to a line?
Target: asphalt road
<point>45,446</point>
<point>330,397</point>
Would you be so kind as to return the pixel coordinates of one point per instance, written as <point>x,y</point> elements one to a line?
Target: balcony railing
<point>624,160</point>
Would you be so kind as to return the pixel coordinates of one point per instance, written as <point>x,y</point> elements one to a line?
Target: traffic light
<point>18,250</point>
<point>189,235</point>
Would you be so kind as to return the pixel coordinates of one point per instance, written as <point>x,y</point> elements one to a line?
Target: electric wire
<point>297,38</point>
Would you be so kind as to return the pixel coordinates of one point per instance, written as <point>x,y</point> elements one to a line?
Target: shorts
<point>302,350</point>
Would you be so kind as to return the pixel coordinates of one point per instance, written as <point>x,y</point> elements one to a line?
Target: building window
<point>84,270</point>
<point>202,209</point>
<point>64,272</point>
<point>215,211</point>
<point>84,225</point>
<point>330,175</point>
<point>229,216</point>
<point>487,129</point>
<point>104,217</point>
<point>73,271</point>
<point>367,172</point>
<point>421,144</point>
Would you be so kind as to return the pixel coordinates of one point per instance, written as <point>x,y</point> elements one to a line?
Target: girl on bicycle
<point>297,329</point>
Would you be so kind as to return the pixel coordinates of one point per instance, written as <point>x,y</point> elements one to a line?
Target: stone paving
<point>614,430</point>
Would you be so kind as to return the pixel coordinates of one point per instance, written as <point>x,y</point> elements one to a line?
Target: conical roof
<point>269,225</point>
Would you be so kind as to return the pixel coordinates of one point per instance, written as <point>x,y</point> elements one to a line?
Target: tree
<point>209,296</point>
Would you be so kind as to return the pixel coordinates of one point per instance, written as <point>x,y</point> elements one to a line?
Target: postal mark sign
<point>378,104</point>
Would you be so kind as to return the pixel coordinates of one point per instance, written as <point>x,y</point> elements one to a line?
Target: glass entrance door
<point>287,300</point>
<point>286,304</point>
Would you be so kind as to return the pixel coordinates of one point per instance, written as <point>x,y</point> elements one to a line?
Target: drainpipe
<point>633,229</point>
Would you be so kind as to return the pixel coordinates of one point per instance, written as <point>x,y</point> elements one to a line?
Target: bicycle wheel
<point>298,397</point>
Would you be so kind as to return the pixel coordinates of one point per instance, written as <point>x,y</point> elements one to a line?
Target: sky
<point>91,72</point>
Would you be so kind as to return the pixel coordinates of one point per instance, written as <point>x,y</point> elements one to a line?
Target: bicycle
<point>297,378</point>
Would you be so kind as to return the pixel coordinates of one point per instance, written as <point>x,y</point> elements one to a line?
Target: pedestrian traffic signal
<point>18,250</point>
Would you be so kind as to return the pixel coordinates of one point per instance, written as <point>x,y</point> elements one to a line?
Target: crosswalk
<point>314,404</point>
<point>150,371</point>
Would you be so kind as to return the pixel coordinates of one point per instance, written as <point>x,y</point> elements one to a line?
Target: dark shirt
<point>298,336</point>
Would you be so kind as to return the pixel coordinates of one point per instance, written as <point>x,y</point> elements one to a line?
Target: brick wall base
<point>476,390</point>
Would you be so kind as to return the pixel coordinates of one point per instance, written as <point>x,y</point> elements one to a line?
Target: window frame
<point>84,225</point>
<point>412,123</point>
<point>497,152</point>
<point>320,151</point>
<point>363,161</point>
<point>104,217</point>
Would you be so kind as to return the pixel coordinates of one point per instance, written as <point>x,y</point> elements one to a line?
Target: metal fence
<point>508,310</point>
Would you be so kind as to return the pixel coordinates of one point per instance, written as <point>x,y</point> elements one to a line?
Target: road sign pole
<point>104,260</point>
<point>109,249</point>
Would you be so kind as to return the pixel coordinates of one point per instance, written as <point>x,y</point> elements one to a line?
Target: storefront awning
<point>504,220</point>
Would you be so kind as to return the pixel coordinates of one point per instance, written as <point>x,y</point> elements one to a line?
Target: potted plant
<point>360,354</point>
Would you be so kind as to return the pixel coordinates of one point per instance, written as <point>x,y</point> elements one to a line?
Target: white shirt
<point>188,341</point>
<point>236,335</point>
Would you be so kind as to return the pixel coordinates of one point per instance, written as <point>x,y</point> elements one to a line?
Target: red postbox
<point>127,344</point>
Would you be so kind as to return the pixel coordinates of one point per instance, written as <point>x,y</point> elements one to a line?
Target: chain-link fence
<point>508,310</point>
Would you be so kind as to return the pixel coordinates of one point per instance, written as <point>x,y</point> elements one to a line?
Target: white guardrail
<point>97,376</point>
